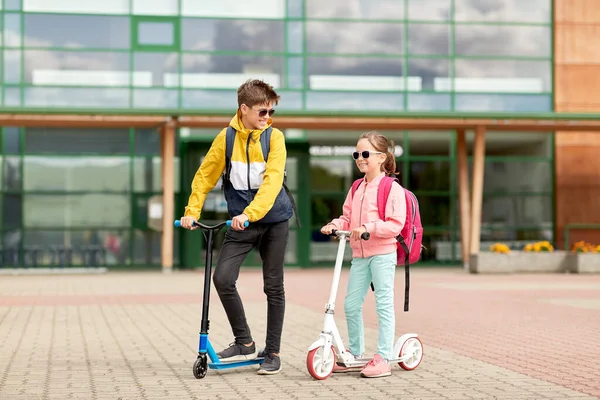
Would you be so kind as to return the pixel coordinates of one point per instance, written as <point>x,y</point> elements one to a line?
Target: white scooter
<point>329,348</point>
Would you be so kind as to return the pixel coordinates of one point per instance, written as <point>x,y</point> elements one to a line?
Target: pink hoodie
<point>362,210</point>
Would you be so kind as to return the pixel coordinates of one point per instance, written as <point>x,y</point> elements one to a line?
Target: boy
<point>254,193</point>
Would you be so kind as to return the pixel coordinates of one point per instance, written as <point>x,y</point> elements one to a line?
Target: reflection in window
<point>429,102</point>
<point>514,103</point>
<point>428,71</point>
<point>506,10</point>
<point>155,69</point>
<point>429,39</point>
<point>295,71</point>
<point>435,210</point>
<point>347,37</point>
<point>147,174</point>
<point>76,174</point>
<point>12,174</point>
<point>152,33</point>
<point>77,31</point>
<point>12,30</point>
<point>331,174</point>
<point>490,40</point>
<point>155,98</point>
<point>77,97</point>
<point>355,9</point>
<point>77,7</point>
<point>342,73</point>
<point>76,141</point>
<point>429,10</point>
<point>429,143</point>
<point>12,66</point>
<point>71,211</point>
<point>77,68</point>
<point>155,7</point>
<point>295,36</point>
<point>530,144</point>
<point>517,211</point>
<point>231,35</point>
<point>12,96</point>
<point>430,175</point>
<point>214,71</point>
<point>12,212</point>
<point>533,72</point>
<point>227,99</point>
<point>355,101</point>
<point>510,176</point>
<point>261,9</point>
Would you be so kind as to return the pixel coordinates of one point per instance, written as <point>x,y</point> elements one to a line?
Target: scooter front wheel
<point>200,366</point>
<point>412,346</point>
<point>318,367</point>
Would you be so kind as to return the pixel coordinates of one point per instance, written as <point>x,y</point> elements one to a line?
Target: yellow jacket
<point>267,177</point>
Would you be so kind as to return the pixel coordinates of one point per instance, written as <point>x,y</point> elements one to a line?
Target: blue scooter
<point>201,364</point>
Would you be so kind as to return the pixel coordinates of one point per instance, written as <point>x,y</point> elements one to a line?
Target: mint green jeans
<point>380,270</point>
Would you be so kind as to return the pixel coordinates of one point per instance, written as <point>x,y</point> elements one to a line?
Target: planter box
<point>584,263</point>
<point>487,262</point>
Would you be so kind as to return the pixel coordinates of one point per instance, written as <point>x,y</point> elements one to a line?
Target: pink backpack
<point>410,240</point>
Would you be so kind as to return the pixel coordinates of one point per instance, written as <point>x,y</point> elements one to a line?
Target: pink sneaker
<point>376,368</point>
<point>339,368</point>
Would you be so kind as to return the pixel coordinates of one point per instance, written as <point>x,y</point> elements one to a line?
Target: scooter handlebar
<point>364,236</point>
<point>196,223</point>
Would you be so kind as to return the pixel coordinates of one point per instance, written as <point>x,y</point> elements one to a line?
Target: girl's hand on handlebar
<point>327,229</point>
<point>355,235</point>
<point>188,223</point>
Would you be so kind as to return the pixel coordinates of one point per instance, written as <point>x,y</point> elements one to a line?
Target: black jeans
<point>271,241</point>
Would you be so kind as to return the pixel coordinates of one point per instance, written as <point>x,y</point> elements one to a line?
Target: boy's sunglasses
<point>263,113</point>
<point>365,154</point>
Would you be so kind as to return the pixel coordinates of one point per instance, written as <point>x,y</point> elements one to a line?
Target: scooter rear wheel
<point>412,346</point>
<point>317,367</point>
<point>200,366</point>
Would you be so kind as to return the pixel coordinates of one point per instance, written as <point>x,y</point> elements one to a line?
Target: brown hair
<point>382,144</point>
<point>255,92</point>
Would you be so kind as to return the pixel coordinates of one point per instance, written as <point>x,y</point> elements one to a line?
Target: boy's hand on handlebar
<point>237,222</point>
<point>327,229</point>
<point>188,223</point>
<point>355,235</point>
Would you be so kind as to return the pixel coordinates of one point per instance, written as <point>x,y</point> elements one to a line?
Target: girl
<point>373,260</point>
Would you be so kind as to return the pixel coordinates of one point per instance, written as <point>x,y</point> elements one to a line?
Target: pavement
<point>134,335</point>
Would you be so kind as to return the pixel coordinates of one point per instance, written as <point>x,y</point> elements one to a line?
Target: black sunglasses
<point>263,113</point>
<point>365,154</point>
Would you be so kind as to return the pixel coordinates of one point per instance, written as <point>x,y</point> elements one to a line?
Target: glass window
<point>430,175</point>
<point>506,10</point>
<point>229,72</point>
<point>429,39</point>
<point>355,9</point>
<point>151,33</point>
<point>12,140</point>
<point>155,98</point>
<point>331,174</point>
<point>440,245</point>
<point>12,96</point>
<point>224,35</point>
<point>295,8</point>
<point>77,68</point>
<point>210,99</point>
<point>12,5</point>
<point>499,76</point>
<point>261,9</point>
<point>514,103</point>
<point>77,6</point>
<point>435,210</point>
<point>295,37</point>
<point>12,66</point>
<point>12,174</point>
<point>77,211</point>
<point>528,144</point>
<point>516,210</point>
<point>12,30</point>
<point>345,73</point>
<point>155,69</point>
<point>76,174</point>
<point>147,174</point>
<point>155,7</point>
<point>340,101</point>
<point>427,72</point>
<point>76,141</point>
<point>346,37</point>
<point>509,176</point>
<point>490,40</point>
<point>77,97</point>
<point>77,31</point>
<point>429,102</point>
<point>146,247</point>
<point>295,72</point>
<point>147,141</point>
<point>12,213</point>
<point>429,10</point>
<point>429,143</point>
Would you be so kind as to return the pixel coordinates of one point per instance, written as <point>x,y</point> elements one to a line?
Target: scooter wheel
<point>411,346</point>
<point>318,367</point>
<point>200,367</point>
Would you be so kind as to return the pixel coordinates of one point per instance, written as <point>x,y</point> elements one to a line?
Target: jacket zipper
<point>362,250</point>
<point>248,157</point>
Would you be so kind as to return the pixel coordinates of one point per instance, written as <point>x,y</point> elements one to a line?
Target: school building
<point>492,105</point>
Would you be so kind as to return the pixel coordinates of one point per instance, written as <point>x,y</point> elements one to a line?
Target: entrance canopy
<point>470,203</point>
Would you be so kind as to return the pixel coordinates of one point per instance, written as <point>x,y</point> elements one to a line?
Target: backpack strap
<point>265,144</point>
<point>356,184</point>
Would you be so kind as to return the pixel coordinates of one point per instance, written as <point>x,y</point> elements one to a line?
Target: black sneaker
<point>271,365</point>
<point>237,352</point>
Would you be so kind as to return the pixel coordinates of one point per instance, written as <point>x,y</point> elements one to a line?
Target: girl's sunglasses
<point>263,113</point>
<point>365,154</point>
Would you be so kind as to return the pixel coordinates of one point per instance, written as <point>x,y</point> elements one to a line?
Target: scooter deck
<point>234,364</point>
